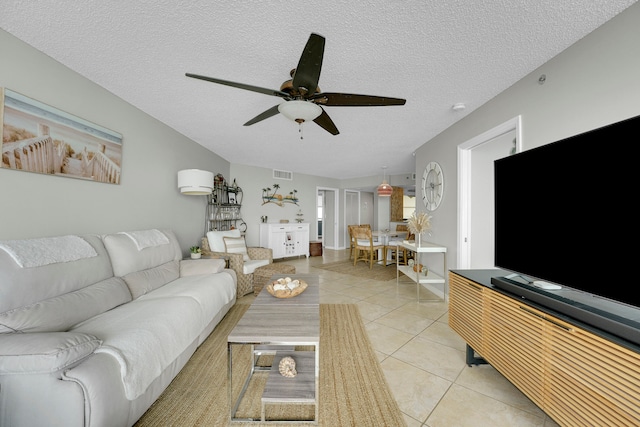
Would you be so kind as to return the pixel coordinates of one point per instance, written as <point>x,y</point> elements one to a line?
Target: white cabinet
<point>285,240</point>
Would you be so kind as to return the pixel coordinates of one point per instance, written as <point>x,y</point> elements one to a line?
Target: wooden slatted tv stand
<point>578,375</point>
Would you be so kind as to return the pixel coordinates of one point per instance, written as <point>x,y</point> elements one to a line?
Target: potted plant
<point>196,252</point>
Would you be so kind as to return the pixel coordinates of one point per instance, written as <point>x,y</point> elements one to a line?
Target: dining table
<point>383,236</point>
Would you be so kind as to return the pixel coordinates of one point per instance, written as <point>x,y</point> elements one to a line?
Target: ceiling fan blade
<point>352,100</point>
<point>272,92</point>
<point>265,115</point>
<point>325,122</point>
<point>307,72</point>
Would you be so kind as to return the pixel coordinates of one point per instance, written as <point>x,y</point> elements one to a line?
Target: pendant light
<point>384,189</point>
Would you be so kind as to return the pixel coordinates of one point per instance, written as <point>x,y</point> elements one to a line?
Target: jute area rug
<point>361,269</point>
<point>353,389</point>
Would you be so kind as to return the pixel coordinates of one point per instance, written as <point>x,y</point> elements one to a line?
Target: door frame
<point>464,182</point>
<point>333,227</point>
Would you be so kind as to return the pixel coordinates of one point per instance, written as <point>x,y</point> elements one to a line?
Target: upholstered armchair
<point>242,259</point>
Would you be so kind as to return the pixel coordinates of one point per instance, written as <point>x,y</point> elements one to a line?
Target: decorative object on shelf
<point>196,252</point>
<point>432,186</point>
<point>278,199</point>
<point>384,189</point>
<point>284,221</point>
<point>418,223</point>
<point>417,267</point>
<point>195,182</point>
<point>234,193</point>
<point>287,367</point>
<point>425,270</point>
<point>299,215</point>
<point>264,218</point>
<point>286,287</point>
<point>410,262</point>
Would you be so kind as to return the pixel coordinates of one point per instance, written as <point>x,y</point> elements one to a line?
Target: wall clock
<point>432,186</point>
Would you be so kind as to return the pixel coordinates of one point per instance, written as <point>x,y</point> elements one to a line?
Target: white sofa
<point>94,328</point>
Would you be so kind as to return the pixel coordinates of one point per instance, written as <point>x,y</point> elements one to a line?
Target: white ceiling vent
<point>278,174</point>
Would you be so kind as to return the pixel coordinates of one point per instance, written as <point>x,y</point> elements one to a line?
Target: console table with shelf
<point>578,374</point>
<point>431,280</point>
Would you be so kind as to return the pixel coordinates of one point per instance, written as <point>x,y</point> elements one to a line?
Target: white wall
<point>253,179</point>
<point>37,205</point>
<point>591,84</point>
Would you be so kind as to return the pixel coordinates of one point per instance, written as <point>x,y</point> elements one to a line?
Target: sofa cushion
<point>250,266</point>
<point>141,282</point>
<point>215,239</point>
<point>145,336</point>
<point>62,312</point>
<point>30,289</point>
<point>126,258</point>
<point>236,245</point>
<point>44,353</point>
<point>197,267</point>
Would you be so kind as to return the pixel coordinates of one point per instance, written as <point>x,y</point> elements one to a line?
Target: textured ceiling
<point>433,53</point>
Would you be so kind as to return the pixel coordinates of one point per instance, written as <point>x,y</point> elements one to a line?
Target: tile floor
<point>422,358</point>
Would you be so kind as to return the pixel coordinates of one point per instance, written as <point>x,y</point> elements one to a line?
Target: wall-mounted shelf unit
<point>223,207</point>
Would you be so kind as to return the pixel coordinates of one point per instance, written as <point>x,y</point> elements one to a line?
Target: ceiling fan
<point>303,99</point>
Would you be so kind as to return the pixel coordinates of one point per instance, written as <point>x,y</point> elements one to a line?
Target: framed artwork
<point>37,137</point>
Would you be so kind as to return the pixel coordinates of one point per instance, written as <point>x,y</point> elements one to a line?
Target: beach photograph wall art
<point>37,137</point>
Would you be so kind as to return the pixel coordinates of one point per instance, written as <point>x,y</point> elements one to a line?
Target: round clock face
<point>432,186</point>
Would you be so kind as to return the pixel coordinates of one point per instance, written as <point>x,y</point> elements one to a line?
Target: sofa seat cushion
<point>212,292</point>
<point>146,335</point>
<point>250,266</point>
<point>49,352</point>
<point>144,281</point>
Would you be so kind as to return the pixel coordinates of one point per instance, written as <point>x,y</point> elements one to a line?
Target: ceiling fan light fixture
<point>299,111</point>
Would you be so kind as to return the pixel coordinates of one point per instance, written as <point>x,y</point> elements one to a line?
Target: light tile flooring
<point>422,358</point>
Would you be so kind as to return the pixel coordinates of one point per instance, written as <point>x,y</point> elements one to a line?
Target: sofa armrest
<point>44,352</point>
<point>195,267</point>
<point>260,253</point>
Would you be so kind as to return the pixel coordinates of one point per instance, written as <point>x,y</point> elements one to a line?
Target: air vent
<point>278,174</point>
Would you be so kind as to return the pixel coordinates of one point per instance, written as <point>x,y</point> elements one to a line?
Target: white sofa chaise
<point>94,328</point>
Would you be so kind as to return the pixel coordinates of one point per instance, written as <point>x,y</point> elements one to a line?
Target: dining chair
<point>399,253</point>
<point>352,244</point>
<point>365,248</point>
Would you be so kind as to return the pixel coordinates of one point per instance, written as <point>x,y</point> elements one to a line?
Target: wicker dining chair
<point>365,248</point>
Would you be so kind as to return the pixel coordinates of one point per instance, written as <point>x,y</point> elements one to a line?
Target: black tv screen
<point>565,212</point>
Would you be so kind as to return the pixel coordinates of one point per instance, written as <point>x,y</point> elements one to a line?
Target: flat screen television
<point>565,215</point>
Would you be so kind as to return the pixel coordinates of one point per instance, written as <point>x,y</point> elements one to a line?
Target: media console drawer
<point>576,376</point>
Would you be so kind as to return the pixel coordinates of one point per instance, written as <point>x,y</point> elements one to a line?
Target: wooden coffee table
<point>276,326</point>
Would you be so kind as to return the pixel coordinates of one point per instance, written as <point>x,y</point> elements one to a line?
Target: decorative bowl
<point>286,287</point>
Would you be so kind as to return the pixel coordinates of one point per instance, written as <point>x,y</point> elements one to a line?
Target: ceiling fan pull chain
<point>300,130</point>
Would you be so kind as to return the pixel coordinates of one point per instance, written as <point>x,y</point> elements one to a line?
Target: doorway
<point>475,191</point>
<point>327,216</point>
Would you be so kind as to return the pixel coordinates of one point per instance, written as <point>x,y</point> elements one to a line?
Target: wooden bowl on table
<point>286,287</point>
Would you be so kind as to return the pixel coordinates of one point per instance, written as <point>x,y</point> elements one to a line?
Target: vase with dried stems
<point>418,223</point>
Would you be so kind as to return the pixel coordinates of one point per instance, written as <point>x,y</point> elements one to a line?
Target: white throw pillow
<point>236,245</point>
<point>216,244</point>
